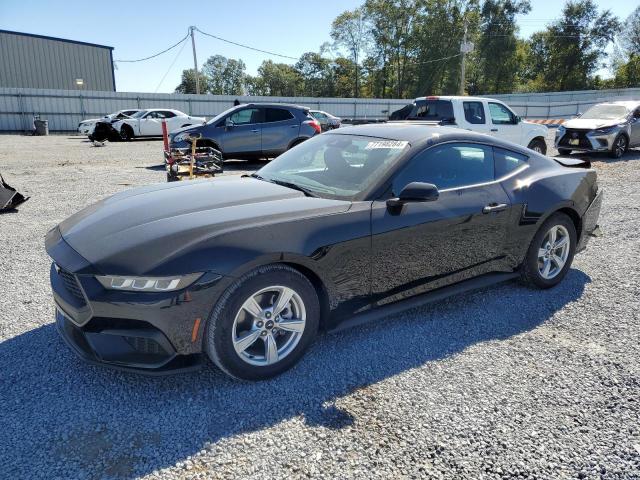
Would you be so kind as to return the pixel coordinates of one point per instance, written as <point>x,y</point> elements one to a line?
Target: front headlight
<point>181,137</point>
<point>605,130</point>
<point>147,284</point>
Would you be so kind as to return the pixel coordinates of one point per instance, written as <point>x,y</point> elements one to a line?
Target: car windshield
<point>220,115</point>
<point>139,114</point>
<point>335,166</point>
<point>606,112</point>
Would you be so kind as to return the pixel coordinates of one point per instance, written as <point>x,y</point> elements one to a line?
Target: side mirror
<point>518,119</point>
<point>415,192</point>
<point>228,122</point>
<point>579,114</point>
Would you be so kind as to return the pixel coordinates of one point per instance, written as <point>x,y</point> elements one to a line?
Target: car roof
<point>631,104</point>
<point>416,133</point>
<point>274,104</point>
<point>458,97</point>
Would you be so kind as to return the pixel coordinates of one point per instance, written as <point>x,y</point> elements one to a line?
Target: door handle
<point>494,129</point>
<point>255,130</point>
<point>494,207</point>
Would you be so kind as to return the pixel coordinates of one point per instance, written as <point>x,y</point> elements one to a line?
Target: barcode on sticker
<point>386,144</point>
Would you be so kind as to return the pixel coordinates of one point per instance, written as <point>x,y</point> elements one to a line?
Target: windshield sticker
<point>387,144</point>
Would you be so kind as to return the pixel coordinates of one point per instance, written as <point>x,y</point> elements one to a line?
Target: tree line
<point>409,48</point>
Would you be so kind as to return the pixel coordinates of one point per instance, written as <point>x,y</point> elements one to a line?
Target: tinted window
<point>277,115</point>
<point>507,161</point>
<point>245,116</point>
<point>151,115</point>
<point>164,114</point>
<point>448,166</point>
<point>433,110</point>
<point>474,112</point>
<point>501,115</point>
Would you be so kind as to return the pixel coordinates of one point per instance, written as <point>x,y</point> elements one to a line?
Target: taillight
<point>316,126</point>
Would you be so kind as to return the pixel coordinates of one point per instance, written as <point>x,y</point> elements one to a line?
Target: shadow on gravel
<point>60,418</point>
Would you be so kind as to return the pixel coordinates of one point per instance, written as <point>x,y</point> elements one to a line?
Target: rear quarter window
<point>507,161</point>
<point>277,115</point>
<point>474,112</point>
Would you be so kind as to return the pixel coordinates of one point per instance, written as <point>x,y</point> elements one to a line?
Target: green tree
<point>277,79</point>
<point>317,75</point>
<point>496,58</point>
<point>630,34</point>
<point>567,54</point>
<point>349,30</point>
<point>188,83</point>
<point>225,76</point>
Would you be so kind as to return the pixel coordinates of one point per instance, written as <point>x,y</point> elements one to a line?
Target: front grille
<point>71,284</point>
<point>581,135</point>
<point>145,345</point>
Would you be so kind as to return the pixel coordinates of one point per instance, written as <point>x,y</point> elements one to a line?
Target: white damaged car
<point>86,127</point>
<point>148,122</point>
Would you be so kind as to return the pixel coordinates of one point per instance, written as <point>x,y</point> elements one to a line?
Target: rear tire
<point>268,340</point>
<point>620,145</point>
<point>551,252</point>
<point>538,145</point>
<point>564,151</point>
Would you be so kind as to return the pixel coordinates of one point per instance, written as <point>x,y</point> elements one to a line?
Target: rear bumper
<point>589,222</point>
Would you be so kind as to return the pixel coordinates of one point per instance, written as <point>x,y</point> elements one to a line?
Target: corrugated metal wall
<point>28,61</point>
<point>65,108</point>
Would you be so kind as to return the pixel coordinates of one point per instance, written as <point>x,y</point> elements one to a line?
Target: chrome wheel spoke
<point>241,344</point>
<point>251,306</point>
<point>541,253</point>
<point>552,235</point>
<point>283,300</point>
<point>271,349</point>
<point>558,261</point>
<point>291,325</point>
<point>561,243</point>
<point>546,268</point>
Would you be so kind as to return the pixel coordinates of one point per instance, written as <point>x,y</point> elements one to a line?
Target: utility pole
<point>465,47</point>
<point>463,50</point>
<point>195,59</point>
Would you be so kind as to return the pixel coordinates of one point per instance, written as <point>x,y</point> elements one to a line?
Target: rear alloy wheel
<point>619,146</point>
<point>263,323</point>
<point>538,146</point>
<point>551,252</point>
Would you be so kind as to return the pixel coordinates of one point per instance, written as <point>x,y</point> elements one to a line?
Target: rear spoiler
<point>573,162</point>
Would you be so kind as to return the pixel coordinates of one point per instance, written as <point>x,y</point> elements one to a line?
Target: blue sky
<point>141,28</point>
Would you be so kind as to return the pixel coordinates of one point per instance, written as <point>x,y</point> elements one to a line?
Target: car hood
<point>591,124</point>
<point>188,128</point>
<point>138,231</point>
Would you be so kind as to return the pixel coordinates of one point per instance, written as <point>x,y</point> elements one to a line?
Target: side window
<point>151,115</point>
<point>277,115</point>
<point>636,114</point>
<point>246,116</point>
<point>166,114</point>
<point>448,166</point>
<point>501,115</point>
<point>474,112</point>
<point>507,161</point>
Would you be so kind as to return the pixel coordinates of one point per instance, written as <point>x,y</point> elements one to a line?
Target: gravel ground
<point>506,382</point>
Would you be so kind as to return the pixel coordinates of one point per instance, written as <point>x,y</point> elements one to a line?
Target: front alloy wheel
<point>269,325</point>
<point>619,147</point>
<point>263,323</point>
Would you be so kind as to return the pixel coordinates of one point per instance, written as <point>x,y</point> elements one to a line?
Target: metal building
<point>36,61</point>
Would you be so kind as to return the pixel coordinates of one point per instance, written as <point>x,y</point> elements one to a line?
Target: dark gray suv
<point>252,130</point>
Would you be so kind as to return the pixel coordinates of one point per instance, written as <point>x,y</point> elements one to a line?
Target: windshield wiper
<point>294,186</point>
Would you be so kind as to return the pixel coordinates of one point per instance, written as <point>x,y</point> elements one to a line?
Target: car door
<point>504,123</point>
<point>474,117</point>
<point>173,121</point>
<point>243,134</point>
<point>279,129</point>
<point>151,124</point>
<point>428,245</point>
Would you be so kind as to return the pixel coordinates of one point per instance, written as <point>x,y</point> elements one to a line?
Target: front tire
<point>538,145</point>
<point>620,146</point>
<point>126,133</point>
<point>263,323</point>
<point>551,252</point>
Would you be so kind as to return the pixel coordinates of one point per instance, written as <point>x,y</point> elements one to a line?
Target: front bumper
<point>152,333</point>
<point>86,129</point>
<point>587,140</point>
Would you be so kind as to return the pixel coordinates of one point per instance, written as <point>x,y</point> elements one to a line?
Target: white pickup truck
<point>148,123</point>
<point>482,115</point>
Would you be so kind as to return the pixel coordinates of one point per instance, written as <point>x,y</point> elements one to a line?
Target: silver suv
<point>252,130</point>
<point>607,127</point>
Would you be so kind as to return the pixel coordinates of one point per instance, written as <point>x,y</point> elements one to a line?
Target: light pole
<point>195,58</point>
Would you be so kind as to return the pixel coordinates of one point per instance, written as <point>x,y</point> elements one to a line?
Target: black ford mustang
<point>357,222</point>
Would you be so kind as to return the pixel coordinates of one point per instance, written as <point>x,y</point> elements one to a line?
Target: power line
<point>157,54</point>
<point>436,60</point>
<point>170,67</point>
<point>246,46</point>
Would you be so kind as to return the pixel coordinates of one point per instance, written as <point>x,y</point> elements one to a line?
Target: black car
<point>251,130</point>
<point>356,222</point>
